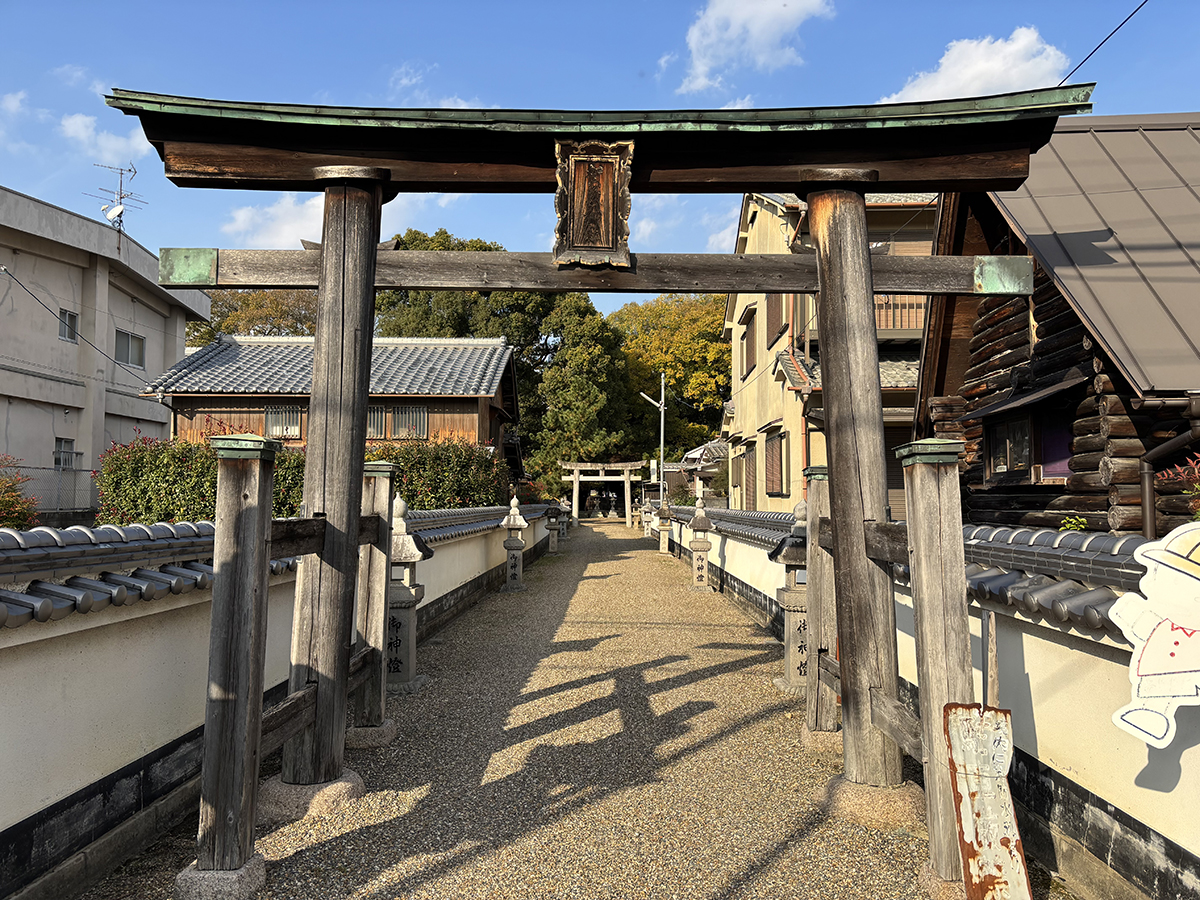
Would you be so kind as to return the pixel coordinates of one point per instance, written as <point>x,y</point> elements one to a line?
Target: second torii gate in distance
<point>583,472</point>
<point>592,162</point>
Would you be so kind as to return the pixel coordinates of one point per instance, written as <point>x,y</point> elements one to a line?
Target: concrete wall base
<point>1086,876</point>
<point>279,803</point>
<point>233,884</point>
<point>358,737</point>
<point>886,808</point>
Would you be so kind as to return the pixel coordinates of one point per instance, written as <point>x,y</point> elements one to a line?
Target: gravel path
<point>606,733</point>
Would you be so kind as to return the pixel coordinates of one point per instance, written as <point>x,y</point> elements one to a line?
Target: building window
<point>131,349</point>
<point>773,459</point>
<point>410,422</point>
<point>283,422</point>
<point>749,479</point>
<point>64,453</point>
<point>68,326</point>
<point>776,317</point>
<point>376,423</point>
<point>749,346</point>
<point>1010,448</point>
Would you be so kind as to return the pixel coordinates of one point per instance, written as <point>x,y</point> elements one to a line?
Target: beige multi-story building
<point>79,344</point>
<point>774,419</point>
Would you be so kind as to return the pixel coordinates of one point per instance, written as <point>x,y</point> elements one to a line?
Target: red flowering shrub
<point>16,510</point>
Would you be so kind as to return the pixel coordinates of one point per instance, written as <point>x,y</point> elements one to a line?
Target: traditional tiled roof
<point>897,368</point>
<point>450,367</point>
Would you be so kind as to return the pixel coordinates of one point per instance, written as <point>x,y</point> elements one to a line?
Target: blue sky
<point>60,58</point>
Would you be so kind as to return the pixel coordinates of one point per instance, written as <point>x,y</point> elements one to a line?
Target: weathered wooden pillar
<point>939,587</point>
<point>857,471</point>
<point>515,568</point>
<point>237,646</point>
<point>700,525</point>
<point>374,582</point>
<point>821,601</point>
<point>792,553</point>
<point>408,549</point>
<point>337,430</point>
<point>628,499</point>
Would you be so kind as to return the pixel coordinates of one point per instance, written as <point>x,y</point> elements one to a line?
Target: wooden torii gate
<point>592,162</point>
<point>584,472</point>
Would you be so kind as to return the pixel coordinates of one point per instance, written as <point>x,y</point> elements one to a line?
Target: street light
<point>662,434</point>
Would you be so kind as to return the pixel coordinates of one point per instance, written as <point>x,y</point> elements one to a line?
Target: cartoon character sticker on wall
<point>1163,623</point>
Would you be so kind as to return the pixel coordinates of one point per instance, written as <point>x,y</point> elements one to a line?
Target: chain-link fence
<point>60,489</point>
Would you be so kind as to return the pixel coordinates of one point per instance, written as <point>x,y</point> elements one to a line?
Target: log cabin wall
<point>1085,440</point>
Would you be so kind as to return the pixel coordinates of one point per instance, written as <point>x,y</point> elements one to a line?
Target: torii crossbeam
<point>592,162</point>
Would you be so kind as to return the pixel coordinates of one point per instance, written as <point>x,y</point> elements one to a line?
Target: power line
<point>1103,42</point>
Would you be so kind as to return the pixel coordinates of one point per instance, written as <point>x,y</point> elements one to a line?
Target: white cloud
<point>642,229</point>
<point>13,103</point>
<point>725,240</point>
<point>457,102</point>
<point>973,67</point>
<point>70,74</point>
<point>729,34</point>
<point>664,61</point>
<point>405,78</point>
<point>746,102</point>
<point>103,146</point>
<point>279,226</point>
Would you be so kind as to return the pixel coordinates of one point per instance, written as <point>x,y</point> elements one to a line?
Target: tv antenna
<point>117,202</point>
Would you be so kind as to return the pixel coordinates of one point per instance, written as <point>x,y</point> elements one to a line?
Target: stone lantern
<point>515,523</point>
<point>792,551</point>
<point>408,549</point>
<point>701,525</point>
<point>663,515</point>
<point>552,516</point>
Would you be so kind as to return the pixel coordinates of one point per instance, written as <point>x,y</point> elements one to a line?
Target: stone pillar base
<point>937,888</point>
<point>279,803</point>
<point>792,690</point>
<point>360,736</point>
<point>408,687</point>
<point>222,884</point>
<point>886,808</point>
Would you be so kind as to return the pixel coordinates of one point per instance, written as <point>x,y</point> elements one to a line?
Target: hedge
<point>152,480</point>
<point>16,510</point>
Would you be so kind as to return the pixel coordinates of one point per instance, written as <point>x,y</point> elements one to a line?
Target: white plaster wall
<point>89,694</point>
<point>744,561</point>
<point>1063,686</point>
<point>454,563</point>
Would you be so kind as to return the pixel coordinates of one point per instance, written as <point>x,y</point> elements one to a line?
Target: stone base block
<point>359,737</point>
<point>886,808</point>
<point>279,803</point>
<point>235,884</point>
<point>936,888</point>
<point>792,690</point>
<point>407,687</point>
<point>824,742</point>
<point>510,588</point>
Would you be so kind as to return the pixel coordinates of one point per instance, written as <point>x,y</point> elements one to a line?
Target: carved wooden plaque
<point>592,203</point>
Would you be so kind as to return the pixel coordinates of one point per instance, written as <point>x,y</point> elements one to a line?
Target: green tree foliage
<point>150,480</point>
<point>680,335</point>
<point>445,473</point>
<point>584,389</point>
<point>569,363</point>
<point>279,313</point>
<point>16,509</point>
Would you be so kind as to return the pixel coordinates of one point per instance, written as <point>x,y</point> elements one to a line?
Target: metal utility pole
<point>661,403</point>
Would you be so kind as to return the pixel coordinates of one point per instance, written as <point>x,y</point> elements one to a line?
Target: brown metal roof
<point>1112,210</point>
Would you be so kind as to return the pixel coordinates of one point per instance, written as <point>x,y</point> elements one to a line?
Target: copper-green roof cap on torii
<point>1038,103</point>
<point>967,143</point>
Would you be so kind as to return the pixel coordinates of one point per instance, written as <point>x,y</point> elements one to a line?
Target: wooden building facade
<point>1060,395</point>
<point>421,388</point>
